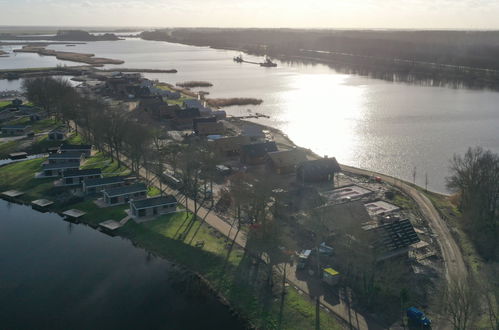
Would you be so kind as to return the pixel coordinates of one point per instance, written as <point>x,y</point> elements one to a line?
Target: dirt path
<point>451,253</point>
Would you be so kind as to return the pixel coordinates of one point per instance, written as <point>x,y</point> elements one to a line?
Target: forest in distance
<point>438,58</point>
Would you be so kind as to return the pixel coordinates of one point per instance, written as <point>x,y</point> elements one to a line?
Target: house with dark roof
<point>184,118</point>
<point>254,154</point>
<point>68,157</point>
<point>85,149</point>
<point>210,128</point>
<point>125,194</point>
<point>76,177</point>
<point>58,134</point>
<point>15,129</point>
<point>153,206</point>
<point>93,186</point>
<point>285,161</point>
<point>317,170</point>
<point>230,145</point>
<point>56,169</point>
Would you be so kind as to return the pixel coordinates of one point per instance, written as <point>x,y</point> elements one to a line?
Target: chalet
<point>210,128</point>
<point>85,149</point>
<point>68,157</point>
<point>56,169</point>
<point>230,145</point>
<point>317,170</point>
<point>153,206</point>
<point>184,119</point>
<point>93,186</point>
<point>254,154</point>
<point>254,132</point>
<point>76,177</point>
<point>286,161</point>
<point>58,134</point>
<point>125,194</point>
<point>16,129</point>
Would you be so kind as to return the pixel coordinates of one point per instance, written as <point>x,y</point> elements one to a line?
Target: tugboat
<point>238,59</point>
<point>268,63</point>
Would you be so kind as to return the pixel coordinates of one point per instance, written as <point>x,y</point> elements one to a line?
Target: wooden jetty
<point>42,203</point>
<point>110,225</point>
<point>74,213</point>
<point>12,193</point>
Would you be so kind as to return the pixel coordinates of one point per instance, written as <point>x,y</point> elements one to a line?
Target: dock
<point>110,225</point>
<point>42,203</point>
<point>74,213</point>
<point>12,193</point>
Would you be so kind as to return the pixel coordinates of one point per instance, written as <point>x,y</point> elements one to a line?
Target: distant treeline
<point>457,58</point>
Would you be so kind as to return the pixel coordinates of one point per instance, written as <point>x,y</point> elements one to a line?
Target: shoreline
<point>210,290</point>
<point>351,169</point>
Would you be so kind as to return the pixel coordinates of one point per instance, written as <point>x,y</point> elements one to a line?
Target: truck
<point>417,318</point>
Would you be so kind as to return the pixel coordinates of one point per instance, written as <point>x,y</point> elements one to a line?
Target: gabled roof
<point>60,166</point>
<point>287,157</point>
<point>397,234</point>
<point>66,155</point>
<point>59,130</point>
<point>259,149</point>
<point>320,166</point>
<point>104,181</point>
<point>207,128</point>
<point>187,113</point>
<point>78,173</point>
<point>75,147</point>
<point>134,188</point>
<point>15,127</point>
<point>231,142</point>
<point>155,201</point>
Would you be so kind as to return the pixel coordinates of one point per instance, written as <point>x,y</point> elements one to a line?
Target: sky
<point>398,14</point>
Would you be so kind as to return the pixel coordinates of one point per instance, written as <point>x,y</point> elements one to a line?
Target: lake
<point>59,275</point>
<point>368,123</point>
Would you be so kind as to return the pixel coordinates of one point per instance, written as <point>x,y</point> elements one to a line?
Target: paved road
<point>451,253</point>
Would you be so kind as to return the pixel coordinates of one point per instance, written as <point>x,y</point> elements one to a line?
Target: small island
<point>193,84</point>
<point>69,56</point>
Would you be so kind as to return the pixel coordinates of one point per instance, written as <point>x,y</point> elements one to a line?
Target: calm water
<point>57,275</point>
<point>368,123</point>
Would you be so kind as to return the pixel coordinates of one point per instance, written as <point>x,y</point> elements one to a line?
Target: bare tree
<point>460,303</point>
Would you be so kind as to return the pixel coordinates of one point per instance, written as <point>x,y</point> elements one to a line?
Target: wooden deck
<point>110,225</point>
<point>42,203</point>
<point>74,213</point>
<point>13,193</point>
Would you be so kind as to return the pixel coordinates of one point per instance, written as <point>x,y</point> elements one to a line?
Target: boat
<point>268,63</point>
<point>238,59</point>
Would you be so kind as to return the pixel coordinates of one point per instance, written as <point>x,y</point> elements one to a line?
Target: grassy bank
<point>179,238</point>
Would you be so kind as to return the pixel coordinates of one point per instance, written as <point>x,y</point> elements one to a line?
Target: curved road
<point>454,265</point>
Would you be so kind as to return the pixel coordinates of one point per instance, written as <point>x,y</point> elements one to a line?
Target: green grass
<point>105,163</point>
<point>153,191</point>
<point>173,225</point>
<point>20,176</point>
<point>8,147</point>
<point>95,214</point>
<point>4,103</point>
<point>37,126</point>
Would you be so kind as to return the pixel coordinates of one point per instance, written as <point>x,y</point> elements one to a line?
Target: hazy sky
<point>467,14</point>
